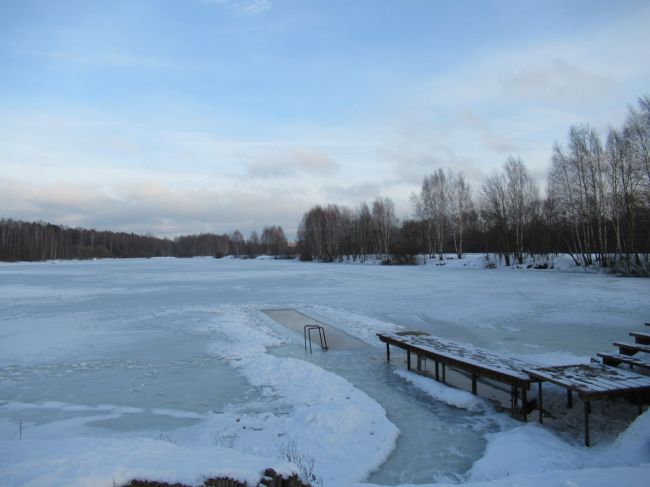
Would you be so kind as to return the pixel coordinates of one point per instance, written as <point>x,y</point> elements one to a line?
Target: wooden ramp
<point>476,361</point>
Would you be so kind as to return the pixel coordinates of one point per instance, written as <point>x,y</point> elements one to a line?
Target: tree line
<point>33,241</point>
<point>596,207</point>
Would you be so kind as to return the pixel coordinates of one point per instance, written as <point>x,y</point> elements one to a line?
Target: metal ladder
<point>321,335</point>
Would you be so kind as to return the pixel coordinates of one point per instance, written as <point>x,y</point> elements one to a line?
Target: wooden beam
<point>474,377</point>
<point>540,404</point>
<point>587,411</point>
<point>569,398</point>
<point>387,352</point>
<point>524,403</point>
<point>408,359</point>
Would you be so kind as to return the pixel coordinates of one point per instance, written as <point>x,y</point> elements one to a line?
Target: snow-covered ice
<point>168,369</point>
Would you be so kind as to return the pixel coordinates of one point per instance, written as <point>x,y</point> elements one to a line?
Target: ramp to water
<point>296,321</point>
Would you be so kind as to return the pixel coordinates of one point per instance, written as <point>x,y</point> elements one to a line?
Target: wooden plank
<point>555,378</point>
<point>641,337</point>
<point>617,358</point>
<point>613,378</point>
<point>633,347</point>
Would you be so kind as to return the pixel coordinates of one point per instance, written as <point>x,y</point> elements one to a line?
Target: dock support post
<point>524,403</point>
<point>387,352</point>
<point>474,384</point>
<point>419,363</point>
<point>540,403</point>
<point>587,411</point>
<point>444,372</point>
<point>408,359</point>
<point>437,375</point>
<point>569,399</point>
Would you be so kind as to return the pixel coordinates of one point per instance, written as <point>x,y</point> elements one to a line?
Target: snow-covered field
<point>168,369</point>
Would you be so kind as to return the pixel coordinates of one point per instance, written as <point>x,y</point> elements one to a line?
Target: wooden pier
<point>476,361</point>
<point>589,381</point>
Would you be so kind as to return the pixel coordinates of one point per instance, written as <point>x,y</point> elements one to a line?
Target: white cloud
<point>557,80</point>
<point>293,162</point>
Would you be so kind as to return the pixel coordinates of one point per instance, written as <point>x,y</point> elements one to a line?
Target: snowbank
<point>531,456</point>
<point>328,420</point>
<point>95,462</point>
<point>440,392</point>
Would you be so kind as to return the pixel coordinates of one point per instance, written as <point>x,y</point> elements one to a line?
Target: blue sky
<point>184,116</point>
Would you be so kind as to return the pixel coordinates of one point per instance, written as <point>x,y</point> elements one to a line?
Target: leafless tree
<point>460,208</point>
<point>577,181</point>
<point>237,243</point>
<point>385,221</point>
<point>432,206</point>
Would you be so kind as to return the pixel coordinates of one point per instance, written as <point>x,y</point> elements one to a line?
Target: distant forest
<point>24,241</point>
<point>596,207</point>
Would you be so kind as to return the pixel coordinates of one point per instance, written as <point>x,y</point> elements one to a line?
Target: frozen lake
<point>175,360</point>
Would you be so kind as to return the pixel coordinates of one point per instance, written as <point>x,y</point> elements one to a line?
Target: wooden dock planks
<point>592,381</point>
<point>468,358</point>
<point>589,381</point>
<point>476,361</point>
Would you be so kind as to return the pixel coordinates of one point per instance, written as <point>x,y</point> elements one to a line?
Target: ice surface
<point>167,368</point>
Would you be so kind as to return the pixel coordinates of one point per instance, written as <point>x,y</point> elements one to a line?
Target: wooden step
<point>616,359</point>
<point>631,348</point>
<point>641,337</point>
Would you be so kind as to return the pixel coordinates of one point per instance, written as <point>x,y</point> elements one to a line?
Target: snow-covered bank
<point>329,420</point>
<point>529,455</point>
<point>93,461</point>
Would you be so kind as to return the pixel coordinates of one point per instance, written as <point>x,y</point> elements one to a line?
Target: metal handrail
<point>321,335</point>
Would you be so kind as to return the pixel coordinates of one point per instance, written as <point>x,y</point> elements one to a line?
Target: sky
<point>173,117</point>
